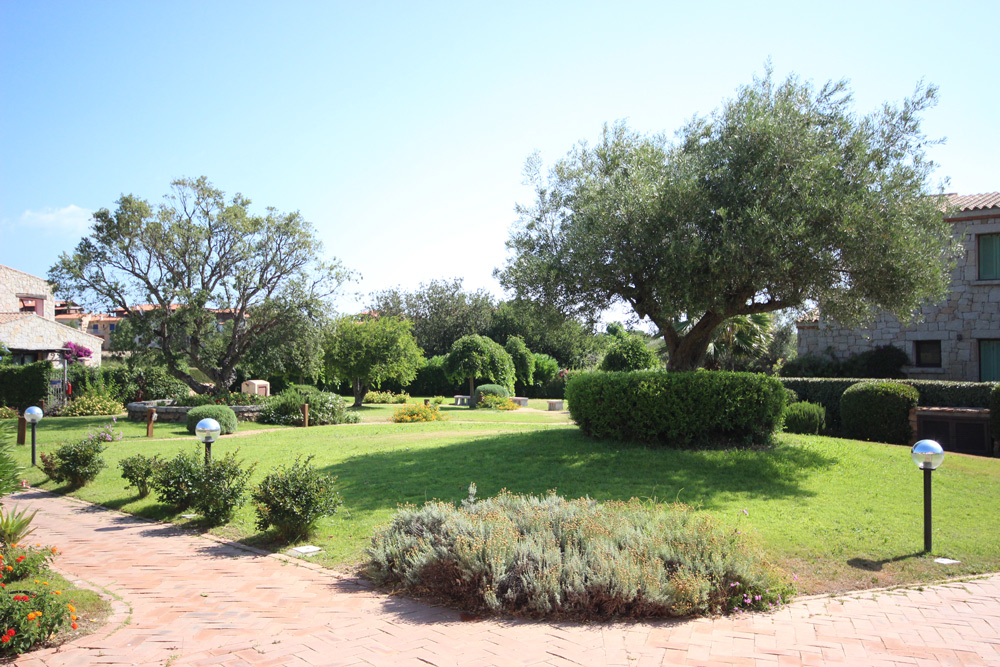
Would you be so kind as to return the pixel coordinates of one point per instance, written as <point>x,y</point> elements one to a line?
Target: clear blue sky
<point>400,129</point>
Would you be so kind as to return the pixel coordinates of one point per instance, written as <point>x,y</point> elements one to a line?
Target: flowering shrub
<point>386,397</point>
<point>229,398</point>
<point>138,471</point>
<point>91,404</point>
<point>411,412</point>
<point>19,562</point>
<point>8,413</point>
<point>496,403</point>
<point>28,619</point>
<point>74,353</point>
<point>293,498</point>
<point>548,556</point>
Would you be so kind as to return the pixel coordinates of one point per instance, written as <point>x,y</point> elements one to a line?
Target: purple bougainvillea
<point>73,352</point>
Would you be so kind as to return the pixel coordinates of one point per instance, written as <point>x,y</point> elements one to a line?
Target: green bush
<point>77,463</point>
<point>412,412</point>
<point>995,411</point>
<point>555,387</point>
<point>228,398</point>
<point>677,409</point>
<point>629,353</point>
<point>24,386</point>
<point>490,402</point>
<point>293,498</point>
<point>221,487</point>
<point>804,417</point>
<point>8,413</point>
<point>220,413</point>
<point>432,379</point>
<point>878,411</point>
<point>385,397</point>
<point>30,618</point>
<point>551,557</point>
<point>885,362</point>
<point>487,390</point>
<point>324,408</point>
<point>25,561</point>
<point>175,480</point>
<point>10,472</point>
<point>138,471</point>
<point>524,360</point>
<point>91,404</point>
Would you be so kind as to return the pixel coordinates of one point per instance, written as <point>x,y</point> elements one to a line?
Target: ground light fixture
<point>928,455</point>
<point>33,415</point>
<point>208,431</point>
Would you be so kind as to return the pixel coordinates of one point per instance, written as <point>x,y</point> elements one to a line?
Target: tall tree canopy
<point>371,350</point>
<point>780,197</point>
<point>201,277</point>
<point>441,312</point>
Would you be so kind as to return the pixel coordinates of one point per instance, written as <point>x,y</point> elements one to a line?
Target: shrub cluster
<point>228,398</point>
<point>24,386</point>
<point>293,498</point>
<point>126,385</point>
<point>553,387</point>
<point>487,390</point>
<point>677,409</point>
<point>28,619</point>
<point>91,403</point>
<point>629,353</point>
<point>138,470</point>
<point>412,412</point>
<point>883,362</point>
<point>220,413</point>
<point>8,413</point>
<point>176,480</point>
<point>215,490</point>
<point>324,408</point>
<point>386,397</point>
<point>806,418</point>
<point>432,379</point>
<point>489,402</point>
<point>878,411</point>
<point>549,556</point>
<point>995,411</point>
<point>79,463</point>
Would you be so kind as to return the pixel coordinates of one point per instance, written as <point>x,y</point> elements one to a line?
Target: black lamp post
<point>208,431</point>
<point>33,415</point>
<point>928,455</point>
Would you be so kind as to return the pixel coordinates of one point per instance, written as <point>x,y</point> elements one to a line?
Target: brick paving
<point>184,599</point>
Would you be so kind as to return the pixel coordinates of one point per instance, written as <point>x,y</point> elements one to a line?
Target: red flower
<point>74,626</point>
<point>20,558</point>
<point>4,639</point>
<point>10,632</point>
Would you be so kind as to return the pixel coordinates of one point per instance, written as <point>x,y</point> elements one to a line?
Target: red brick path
<point>181,599</point>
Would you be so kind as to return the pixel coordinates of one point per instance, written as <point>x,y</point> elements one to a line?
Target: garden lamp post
<point>33,415</point>
<point>208,431</point>
<point>928,455</point>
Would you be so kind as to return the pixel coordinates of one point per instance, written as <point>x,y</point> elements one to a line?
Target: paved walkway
<point>181,599</point>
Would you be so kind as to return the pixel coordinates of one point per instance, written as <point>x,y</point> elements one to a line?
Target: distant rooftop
<point>974,202</point>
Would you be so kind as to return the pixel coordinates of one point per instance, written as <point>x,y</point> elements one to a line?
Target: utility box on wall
<point>258,387</point>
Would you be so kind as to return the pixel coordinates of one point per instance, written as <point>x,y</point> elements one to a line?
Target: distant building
<point>957,339</point>
<point>28,325</point>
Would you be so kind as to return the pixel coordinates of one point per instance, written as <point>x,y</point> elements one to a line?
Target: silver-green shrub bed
<point>552,557</point>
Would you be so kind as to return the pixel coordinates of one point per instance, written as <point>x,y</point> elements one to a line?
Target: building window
<point>989,361</point>
<point>989,256</point>
<point>927,353</point>
<point>111,327</point>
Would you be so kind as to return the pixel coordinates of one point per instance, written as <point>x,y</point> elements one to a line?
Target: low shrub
<point>488,390</point>
<point>678,409</point>
<point>29,619</point>
<point>386,397</point>
<point>489,402</point>
<point>293,498</point>
<point>8,413</point>
<point>91,404</point>
<point>552,557</point>
<point>220,413</point>
<point>80,462</point>
<point>806,418</point>
<point>432,379</point>
<point>15,526</point>
<point>175,480</point>
<point>884,362</point>
<point>221,487</point>
<point>22,562</point>
<point>878,411</point>
<point>412,412</point>
<point>324,408</point>
<point>10,471</point>
<point>228,398</point>
<point>437,400</point>
<point>24,386</point>
<point>138,471</point>
<point>629,353</point>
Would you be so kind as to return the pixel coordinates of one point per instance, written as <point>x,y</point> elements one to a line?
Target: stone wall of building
<point>970,313</point>
<point>34,333</point>
<point>14,283</point>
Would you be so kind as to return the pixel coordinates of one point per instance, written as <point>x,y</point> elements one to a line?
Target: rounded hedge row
<point>220,413</point>
<point>806,418</point>
<point>677,409</point>
<point>878,411</point>
<point>489,390</point>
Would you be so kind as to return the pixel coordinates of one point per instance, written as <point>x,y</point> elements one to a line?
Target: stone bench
<point>519,400</point>
<point>556,405</point>
<point>461,400</point>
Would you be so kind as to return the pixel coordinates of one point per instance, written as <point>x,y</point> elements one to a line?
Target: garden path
<point>185,599</point>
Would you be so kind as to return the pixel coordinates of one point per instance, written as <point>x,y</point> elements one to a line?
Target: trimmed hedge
<point>933,393</point>
<point>806,418</point>
<point>220,413</point>
<point>995,411</point>
<point>677,409</point>
<point>878,411</point>
<point>488,390</point>
<point>24,386</point>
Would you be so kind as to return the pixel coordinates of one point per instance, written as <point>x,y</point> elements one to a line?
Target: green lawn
<point>839,514</point>
<point>63,430</point>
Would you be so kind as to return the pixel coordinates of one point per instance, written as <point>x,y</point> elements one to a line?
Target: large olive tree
<point>783,196</point>
<point>201,277</point>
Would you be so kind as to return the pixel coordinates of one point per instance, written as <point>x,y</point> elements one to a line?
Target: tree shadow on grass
<point>575,466</point>
<point>876,565</point>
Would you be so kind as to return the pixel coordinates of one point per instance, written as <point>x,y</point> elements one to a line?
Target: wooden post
<point>22,430</point>
<point>150,420</point>
<point>305,415</point>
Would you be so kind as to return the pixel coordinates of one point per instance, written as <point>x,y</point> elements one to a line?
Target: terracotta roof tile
<point>974,202</point>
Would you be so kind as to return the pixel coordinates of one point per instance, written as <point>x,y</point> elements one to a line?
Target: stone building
<point>28,326</point>
<point>957,339</point>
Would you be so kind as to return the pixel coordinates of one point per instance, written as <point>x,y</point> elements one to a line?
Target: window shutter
<point>989,256</point>
<point>989,361</point>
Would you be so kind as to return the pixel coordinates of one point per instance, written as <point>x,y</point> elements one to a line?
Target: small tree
<point>628,353</point>
<point>370,351</point>
<point>524,360</point>
<point>478,357</point>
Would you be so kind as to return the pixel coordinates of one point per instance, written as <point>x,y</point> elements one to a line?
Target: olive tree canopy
<point>200,277</point>
<point>783,196</point>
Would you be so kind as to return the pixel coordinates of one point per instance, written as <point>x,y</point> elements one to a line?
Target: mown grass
<point>533,414</point>
<point>839,514</point>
